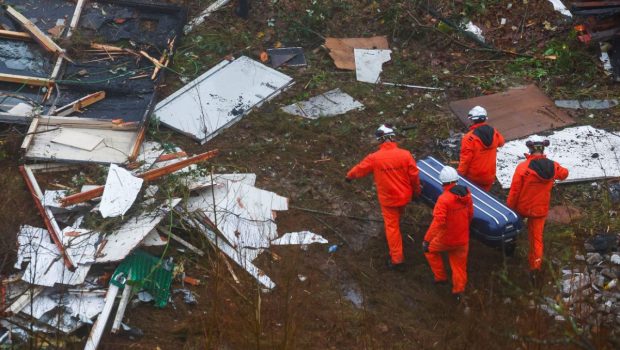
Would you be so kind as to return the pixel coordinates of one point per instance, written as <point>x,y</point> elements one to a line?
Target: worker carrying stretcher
<point>449,231</point>
<point>530,193</point>
<point>397,180</point>
<point>479,146</point>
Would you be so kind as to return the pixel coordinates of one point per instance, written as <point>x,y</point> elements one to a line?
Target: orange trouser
<point>391,220</point>
<point>457,256</point>
<point>535,227</point>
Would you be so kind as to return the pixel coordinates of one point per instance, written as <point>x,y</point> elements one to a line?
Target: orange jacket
<point>530,191</point>
<point>395,171</point>
<point>451,217</point>
<point>479,153</point>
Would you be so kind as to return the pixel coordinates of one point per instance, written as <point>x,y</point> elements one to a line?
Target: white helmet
<point>385,132</point>
<point>477,114</point>
<point>536,142</point>
<point>448,174</point>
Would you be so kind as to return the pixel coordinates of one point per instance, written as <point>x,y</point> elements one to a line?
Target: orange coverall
<point>530,194</point>
<point>479,153</point>
<point>449,232</point>
<point>397,179</point>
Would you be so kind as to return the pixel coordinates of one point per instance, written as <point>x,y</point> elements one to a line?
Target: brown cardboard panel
<point>341,50</point>
<point>516,113</point>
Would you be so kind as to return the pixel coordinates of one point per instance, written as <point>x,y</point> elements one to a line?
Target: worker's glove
<point>348,180</point>
<point>425,245</point>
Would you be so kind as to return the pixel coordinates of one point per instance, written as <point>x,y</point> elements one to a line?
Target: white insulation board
<point>331,103</point>
<point>220,97</point>
<point>588,154</point>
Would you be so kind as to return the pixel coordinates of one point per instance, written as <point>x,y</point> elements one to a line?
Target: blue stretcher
<point>494,223</point>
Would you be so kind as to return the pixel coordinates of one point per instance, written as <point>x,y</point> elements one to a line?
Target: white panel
<point>586,152</point>
<point>76,139</point>
<point>121,189</point>
<point>369,64</point>
<point>329,104</point>
<point>220,97</point>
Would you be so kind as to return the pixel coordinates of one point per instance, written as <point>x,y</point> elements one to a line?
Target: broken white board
<point>243,257</point>
<point>331,103</point>
<point>200,182</point>
<point>47,267</point>
<point>77,139</point>
<point>115,148</point>
<point>51,200</point>
<point>22,109</point>
<point>586,152</point>
<point>589,104</point>
<point>120,191</point>
<point>299,238</point>
<point>80,244</point>
<point>369,64</point>
<point>118,244</point>
<point>29,241</point>
<point>65,311</point>
<point>244,214</point>
<point>220,97</point>
<point>154,239</point>
<point>560,7</point>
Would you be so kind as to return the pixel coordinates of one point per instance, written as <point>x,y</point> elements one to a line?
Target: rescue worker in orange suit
<point>479,150</point>
<point>449,231</point>
<point>397,180</point>
<point>530,193</point>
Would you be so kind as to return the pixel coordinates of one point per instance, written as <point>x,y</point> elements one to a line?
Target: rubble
<point>590,293</point>
<point>331,103</point>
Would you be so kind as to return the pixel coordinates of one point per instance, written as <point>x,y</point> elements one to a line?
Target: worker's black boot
<point>396,267</point>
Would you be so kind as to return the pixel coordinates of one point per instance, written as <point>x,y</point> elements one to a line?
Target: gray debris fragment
<point>589,104</point>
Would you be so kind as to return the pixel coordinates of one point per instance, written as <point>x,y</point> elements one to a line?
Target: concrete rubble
<point>589,292</point>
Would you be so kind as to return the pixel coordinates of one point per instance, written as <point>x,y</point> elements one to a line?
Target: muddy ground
<point>349,299</point>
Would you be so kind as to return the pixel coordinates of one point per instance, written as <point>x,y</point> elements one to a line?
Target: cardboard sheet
<point>341,50</point>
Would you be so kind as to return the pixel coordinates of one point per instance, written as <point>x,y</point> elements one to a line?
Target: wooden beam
<point>150,175</point>
<point>30,134</point>
<point>37,34</point>
<point>23,79</point>
<point>9,34</point>
<point>48,218</point>
<point>76,106</point>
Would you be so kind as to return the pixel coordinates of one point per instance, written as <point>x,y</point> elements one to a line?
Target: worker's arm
<point>414,177</point>
<point>467,153</point>
<point>438,226</point>
<point>515,187</point>
<point>561,173</point>
<point>500,138</point>
<point>362,169</point>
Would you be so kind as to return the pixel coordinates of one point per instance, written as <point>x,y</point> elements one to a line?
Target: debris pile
<point>112,203</point>
<point>590,294</point>
<point>599,23</point>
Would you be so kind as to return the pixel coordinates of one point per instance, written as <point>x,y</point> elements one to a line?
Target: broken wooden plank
<point>122,306</point>
<point>97,331</point>
<point>74,22</point>
<point>109,49</point>
<point>45,41</point>
<point>9,34</point>
<point>46,214</point>
<point>24,300</point>
<point>147,176</point>
<point>76,106</point>
<point>168,233</point>
<point>22,79</point>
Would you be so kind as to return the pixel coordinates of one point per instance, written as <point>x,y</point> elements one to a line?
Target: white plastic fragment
<point>559,6</point>
<point>606,62</point>
<point>331,103</point>
<point>198,20</point>
<point>121,189</point>
<point>299,238</point>
<point>588,153</point>
<point>21,108</point>
<point>369,64</point>
<point>475,30</point>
